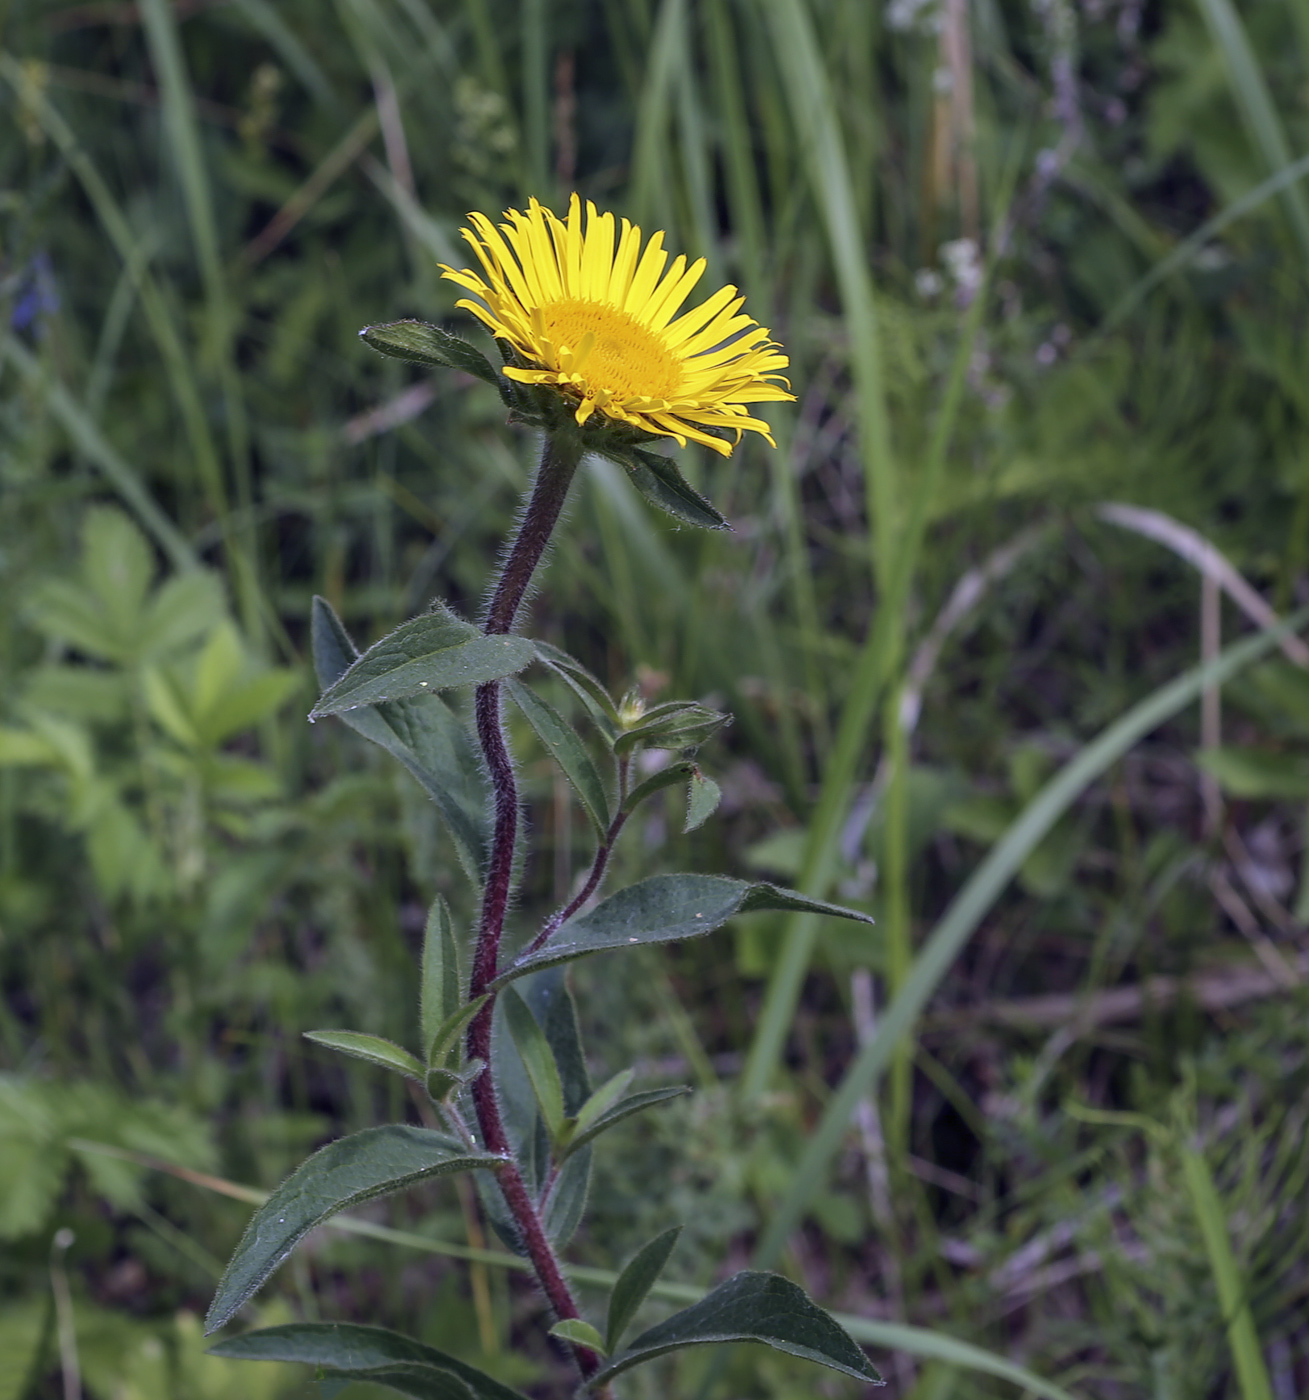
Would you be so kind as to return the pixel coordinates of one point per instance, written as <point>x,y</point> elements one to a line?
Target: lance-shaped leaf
<point>425,344</point>
<point>566,1203</point>
<point>604,1098</point>
<point>664,909</point>
<point>441,988</point>
<point>678,725</point>
<point>624,1108</point>
<point>636,1280</point>
<point>586,687</point>
<point>423,734</point>
<point>345,1173</point>
<point>434,652</point>
<point>349,1350</point>
<point>657,781</point>
<point>386,1054</point>
<point>568,752</point>
<point>445,1040</point>
<point>538,1060</point>
<point>658,480</point>
<point>751,1307</point>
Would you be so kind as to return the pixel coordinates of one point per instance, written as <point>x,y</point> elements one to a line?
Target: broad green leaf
<point>184,608</point>
<point>423,734</point>
<point>603,1099</point>
<point>424,655</point>
<point>538,1059</point>
<point>587,688</point>
<point>659,481</point>
<point>624,1108</point>
<point>78,692</point>
<point>582,1334</point>
<point>345,1173</point>
<point>1257,773</point>
<point>117,567</point>
<point>20,747</point>
<point>440,989</point>
<point>568,752</point>
<point>751,1307</point>
<point>425,344</point>
<point>664,909</point>
<point>372,1048</point>
<point>369,1353</point>
<point>636,1280</point>
<point>657,781</point>
<point>702,801</point>
<point>62,608</point>
<point>677,726</point>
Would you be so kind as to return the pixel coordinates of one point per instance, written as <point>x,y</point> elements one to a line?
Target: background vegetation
<point>1027,260</point>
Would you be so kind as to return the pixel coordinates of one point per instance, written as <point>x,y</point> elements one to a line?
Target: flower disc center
<point>627,359</point>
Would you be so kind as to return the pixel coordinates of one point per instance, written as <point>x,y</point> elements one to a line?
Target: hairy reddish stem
<point>559,461</point>
<point>556,921</point>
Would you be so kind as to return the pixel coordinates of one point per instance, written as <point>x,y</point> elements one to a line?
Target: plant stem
<point>559,460</point>
<point>557,920</point>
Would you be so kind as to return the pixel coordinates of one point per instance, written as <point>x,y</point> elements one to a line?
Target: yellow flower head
<point>596,325</point>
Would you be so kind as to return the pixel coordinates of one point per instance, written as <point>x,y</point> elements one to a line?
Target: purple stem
<point>559,461</point>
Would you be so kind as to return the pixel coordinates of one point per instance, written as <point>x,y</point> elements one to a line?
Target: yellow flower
<point>596,325</point>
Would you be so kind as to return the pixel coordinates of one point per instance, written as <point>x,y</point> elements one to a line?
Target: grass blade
<point>1256,106</point>
<point>1251,1372</point>
<point>89,439</point>
<point>971,904</point>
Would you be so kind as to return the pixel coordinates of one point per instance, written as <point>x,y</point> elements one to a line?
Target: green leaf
<point>440,990</point>
<point>371,1048</point>
<point>624,1108</point>
<point>426,654</point>
<point>603,1099</point>
<point>658,480</point>
<point>664,909</point>
<point>752,1307</point>
<point>553,1006</point>
<point>568,752</point>
<point>1232,1286</point>
<point>345,1173</point>
<point>538,1060</point>
<point>636,1280</point>
<point>447,1034</point>
<point>566,1203</point>
<point>425,344</point>
<point>1257,773</point>
<point>702,801</point>
<point>657,781</point>
<point>582,1334</point>
<point>423,734</point>
<point>368,1353</point>
<point>442,1082</point>
<point>680,725</point>
<point>587,688</point>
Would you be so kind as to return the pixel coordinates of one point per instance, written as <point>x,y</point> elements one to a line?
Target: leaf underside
<point>751,1307</point>
<point>423,734</point>
<point>368,1354</point>
<point>345,1173</point>
<point>664,909</point>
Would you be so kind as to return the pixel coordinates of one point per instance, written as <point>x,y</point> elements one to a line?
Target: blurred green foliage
<point>203,203</point>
